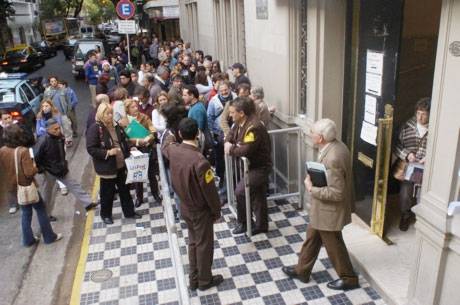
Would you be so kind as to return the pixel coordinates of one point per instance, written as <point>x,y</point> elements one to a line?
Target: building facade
<point>363,64</point>
<point>163,16</point>
<point>24,24</point>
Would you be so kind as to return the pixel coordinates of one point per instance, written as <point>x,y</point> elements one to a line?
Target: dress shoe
<point>52,218</point>
<point>290,271</point>
<point>193,286</point>
<point>258,231</point>
<point>240,229</point>
<point>215,281</point>
<point>108,221</point>
<point>406,220</point>
<point>138,203</point>
<point>339,284</point>
<point>157,198</point>
<point>91,206</point>
<point>135,216</point>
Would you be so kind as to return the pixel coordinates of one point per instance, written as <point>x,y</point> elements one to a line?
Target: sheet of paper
<point>136,153</point>
<point>374,84</point>
<point>369,133</point>
<point>370,109</point>
<point>316,165</point>
<point>374,62</point>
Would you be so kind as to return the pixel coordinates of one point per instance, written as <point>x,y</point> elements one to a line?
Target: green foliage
<point>99,10</point>
<point>60,8</point>
<point>6,10</point>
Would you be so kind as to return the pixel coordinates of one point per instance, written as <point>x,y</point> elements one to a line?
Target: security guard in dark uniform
<point>200,207</point>
<point>249,138</point>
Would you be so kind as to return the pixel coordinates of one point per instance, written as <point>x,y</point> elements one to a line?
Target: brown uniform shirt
<point>251,140</point>
<point>192,179</point>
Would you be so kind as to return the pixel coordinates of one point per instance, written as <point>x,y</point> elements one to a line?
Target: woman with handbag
<point>20,170</point>
<point>106,143</point>
<point>411,148</point>
<point>145,145</point>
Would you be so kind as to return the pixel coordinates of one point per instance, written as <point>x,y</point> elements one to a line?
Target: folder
<point>317,173</point>
<point>135,130</point>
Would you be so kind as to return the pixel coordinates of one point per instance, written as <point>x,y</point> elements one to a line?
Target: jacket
<point>251,140</point>
<point>98,142</point>
<point>331,206</point>
<point>91,73</point>
<point>26,170</point>
<point>192,179</point>
<point>50,155</point>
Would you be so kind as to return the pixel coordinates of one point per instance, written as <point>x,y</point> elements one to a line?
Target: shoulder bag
<point>26,194</point>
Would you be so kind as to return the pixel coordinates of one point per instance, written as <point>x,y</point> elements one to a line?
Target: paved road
<point>15,270</point>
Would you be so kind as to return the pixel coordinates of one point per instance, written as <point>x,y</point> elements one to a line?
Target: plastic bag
<point>138,167</point>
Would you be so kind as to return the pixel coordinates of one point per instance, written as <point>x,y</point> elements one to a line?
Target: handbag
<point>26,194</point>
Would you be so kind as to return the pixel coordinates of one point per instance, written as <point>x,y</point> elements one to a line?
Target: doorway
<point>391,55</point>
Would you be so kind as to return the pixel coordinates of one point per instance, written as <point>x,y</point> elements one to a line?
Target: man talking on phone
<point>330,210</point>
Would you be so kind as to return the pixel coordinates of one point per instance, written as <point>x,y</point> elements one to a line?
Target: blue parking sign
<point>125,9</point>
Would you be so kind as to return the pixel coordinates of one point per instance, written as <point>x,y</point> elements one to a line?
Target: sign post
<point>126,10</point>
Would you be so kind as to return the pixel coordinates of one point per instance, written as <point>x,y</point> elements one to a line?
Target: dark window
<point>28,92</point>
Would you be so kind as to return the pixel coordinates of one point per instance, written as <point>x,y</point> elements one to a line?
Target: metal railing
<point>171,226</point>
<point>237,169</point>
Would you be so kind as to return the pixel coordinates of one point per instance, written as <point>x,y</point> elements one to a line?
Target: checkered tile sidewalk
<point>137,254</point>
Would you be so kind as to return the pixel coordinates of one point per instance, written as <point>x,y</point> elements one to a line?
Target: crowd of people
<point>190,106</point>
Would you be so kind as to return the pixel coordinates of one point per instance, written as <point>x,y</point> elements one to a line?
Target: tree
<point>99,10</point>
<point>6,11</point>
<point>60,8</point>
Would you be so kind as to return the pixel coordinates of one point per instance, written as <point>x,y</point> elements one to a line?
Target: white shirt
<point>158,120</point>
<point>422,130</point>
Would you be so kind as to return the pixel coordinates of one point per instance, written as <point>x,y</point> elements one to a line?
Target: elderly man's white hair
<point>326,128</point>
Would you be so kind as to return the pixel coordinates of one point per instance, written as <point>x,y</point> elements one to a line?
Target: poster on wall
<point>262,9</point>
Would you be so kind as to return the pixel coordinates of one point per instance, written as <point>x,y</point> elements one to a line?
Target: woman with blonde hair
<point>158,120</point>
<point>107,144</point>
<point>46,112</point>
<point>145,145</point>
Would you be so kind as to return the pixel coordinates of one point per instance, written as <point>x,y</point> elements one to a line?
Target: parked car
<point>22,58</point>
<point>21,97</point>
<point>47,49</point>
<point>81,49</point>
<point>68,47</point>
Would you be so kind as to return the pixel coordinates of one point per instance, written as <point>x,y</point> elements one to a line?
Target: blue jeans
<point>28,238</point>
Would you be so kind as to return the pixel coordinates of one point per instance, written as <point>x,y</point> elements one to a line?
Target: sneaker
<point>58,237</point>
<point>13,210</point>
<point>64,191</point>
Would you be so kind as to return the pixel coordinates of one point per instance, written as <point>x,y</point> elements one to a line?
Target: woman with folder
<point>142,134</point>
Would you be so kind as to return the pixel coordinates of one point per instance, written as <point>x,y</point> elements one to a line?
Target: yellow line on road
<point>80,271</point>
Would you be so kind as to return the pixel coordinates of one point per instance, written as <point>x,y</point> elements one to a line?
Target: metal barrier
<point>168,203</point>
<point>238,168</point>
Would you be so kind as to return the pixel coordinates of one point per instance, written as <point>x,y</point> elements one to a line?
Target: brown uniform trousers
<point>251,140</point>
<point>193,181</point>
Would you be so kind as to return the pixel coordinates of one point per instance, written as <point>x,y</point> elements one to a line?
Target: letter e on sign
<point>125,9</point>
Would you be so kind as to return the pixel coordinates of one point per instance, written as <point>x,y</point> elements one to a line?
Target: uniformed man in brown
<point>249,138</point>
<point>200,207</point>
<point>330,211</point>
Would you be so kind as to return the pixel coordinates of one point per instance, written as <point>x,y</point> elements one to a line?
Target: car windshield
<point>83,48</point>
<point>15,53</point>
<point>7,95</point>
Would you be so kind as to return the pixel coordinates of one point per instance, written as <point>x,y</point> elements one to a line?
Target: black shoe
<point>91,206</point>
<point>405,221</point>
<point>193,286</point>
<point>258,231</point>
<point>135,216</point>
<point>138,203</point>
<point>108,221</point>
<point>290,271</point>
<point>240,229</point>
<point>341,285</point>
<point>52,218</point>
<point>157,198</point>
<point>215,281</point>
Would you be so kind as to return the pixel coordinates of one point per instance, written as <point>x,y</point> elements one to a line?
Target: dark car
<point>68,48</point>
<point>82,47</point>
<point>21,59</point>
<point>21,97</point>
<point>45,47</point>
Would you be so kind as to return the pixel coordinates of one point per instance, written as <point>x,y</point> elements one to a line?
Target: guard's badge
<point>209,176</point>
<point>249,137</point>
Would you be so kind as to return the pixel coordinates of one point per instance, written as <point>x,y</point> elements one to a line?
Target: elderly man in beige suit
<point>330,210</point>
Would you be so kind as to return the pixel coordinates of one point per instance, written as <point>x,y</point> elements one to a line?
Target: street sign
<point>126,26</point>
<point>125,9</point>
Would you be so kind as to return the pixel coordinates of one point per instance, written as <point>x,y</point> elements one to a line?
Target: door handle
<point>453,208</point>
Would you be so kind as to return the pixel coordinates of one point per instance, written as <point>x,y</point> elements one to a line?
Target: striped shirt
<point>410,141</point>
